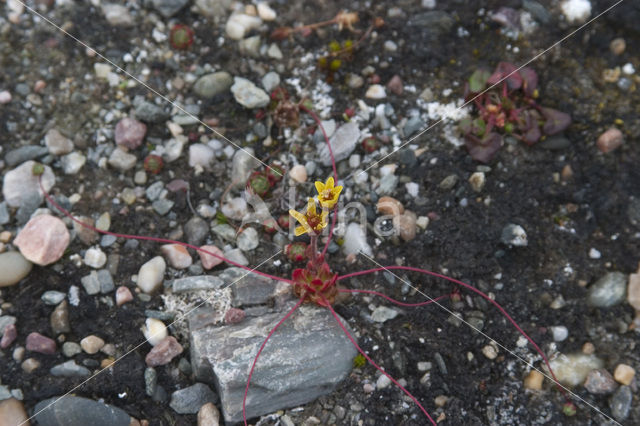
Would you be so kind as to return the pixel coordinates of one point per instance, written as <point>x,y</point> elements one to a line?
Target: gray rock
<point>236,255</point>
<point>244,161</point>
<point>30,203</point>
<point>270,81</point>
<point>151,113</point>
<point>6,320</point>
<point>154,190</point>
<point>106,281</point>
<point>215,9</point>
<point>383,313</point>
<point>329,127</point>
<point>168,8</point>
<point>52,297</point>
<point>248,239</point>
<point>77,411</point>
<point>20,185</point>
<point>69,369</point>
<point>413,125</point>
<point>189,400</point>
<point>210,85</point>
<point>121,160</point>
<point>91,283</point>
<point>514,235</point>
<point>555,143</point>
<point>150,381</point>
<point>248,94</point>
<point>343,142</point>
<point>5,393</point>
<point>162,206</point>
<point>24,153</point>
<point>224,231</point>
<point>70,349</point>
<point>57,143</point>
<point>201,282</point>
<point>253,289</point>
<point>307,357</point>
<point>537,10</point>
<point>388,185</point>
<point>600,381</point>
<point>609,290</point>
<point>620,403</point>
<point>5,217</point>
<point>196,230</point>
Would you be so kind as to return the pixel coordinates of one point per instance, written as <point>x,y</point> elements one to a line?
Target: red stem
<point>395,382</point>
<point>475,290</point>
<point>397,302</point>
<point>157,240</point>
<point>255,360</point>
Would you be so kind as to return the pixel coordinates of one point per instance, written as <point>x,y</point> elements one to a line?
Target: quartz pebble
<point>248,239</point>
<point>122,160</point>
<point>298,173</point>
<point>490,351</point>
<point>177,255</point>
<point>208,415</point>
<point>209,261</point>
<point>91,344</point>
<point>375,91</point>
<point>154,331</point>
<point>572,369</point>
<point>248,94</point>
<point>59,319</point>
<point>123,295</point>
<point>239,24</point>
<point>265,12</point>
<point>71,349</point>
<point>14,268</point>
<point>21,186</point>
<point>559,332</point>
<point>36,342</point>
<point>163,352</point>
<point>151,274</point>
<point>200,155</point>
<point>608,291</point>
<point>533,380</point>
<point>383,382</point>
<point>477,181</point>
<point>514,235</point>
<point>95,258</point>
<point>43,240</point>
<point>30,365</point>
<point>57,143</point>
<point>624,374</point>
<point>610,140</point>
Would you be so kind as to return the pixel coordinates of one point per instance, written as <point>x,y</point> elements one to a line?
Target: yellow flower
<point>310,221</point>
<point>327,193</point>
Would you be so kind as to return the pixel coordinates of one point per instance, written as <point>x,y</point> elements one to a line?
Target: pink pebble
<point>209,261</point>
<point>10,334</point>
<point>163,352</point>
<point>36,342</point>
<point>610,140</point>
<point>130,132</point>
<point>177,255</point>
<point>234,316</point>
<point>5,97</point>
<point>123,295</point>
<point>43,240</point>
<point>395,85</point>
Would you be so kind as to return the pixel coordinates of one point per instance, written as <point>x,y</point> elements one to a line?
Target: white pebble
<point>477,181</point>
<point>151,274</point>
<point>354,161</point>
<point>200,155</point>
<point>628,68</point>
<point>576,11</point>
<point>559,332</point>
<point>265,12</point>
<point>594,254</point>
<point>154,331</point>
<point>390,46</point>
<point>490,351</point>
<point>412,188</point>
<point>177,255</point>
<point>376,91</point>
<point>235,208</point>
<point>95,258</point>
<point>298,173</point>
<point>5,97</point>
<point>383,382</point>
<point>239,24</point>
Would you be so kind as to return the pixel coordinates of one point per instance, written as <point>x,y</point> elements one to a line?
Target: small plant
<point>153,164</point>
<point>261,182</point>
<point>506,105</point>
<point>181,37</point>
<point>338,53</point>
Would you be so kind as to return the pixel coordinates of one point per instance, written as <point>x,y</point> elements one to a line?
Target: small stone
<point>196,230</point>
<point>375,91</point>
<point>610,140</point>
<point>151,274</point>
<point>69,369</point>
<point>95,258</point>
<point>395,85</point>
<point>9,336</point>
<point>477,181</point>
<point>265,12</point>
<point>383,382</point>
<point>448,183</point>
<point>405,224</point>
<point>200,155</point>
<point>122,160</point>
<point>239,24</point>
<point>57,143</point>
<point>5,97</point>
<point>130,132</point>
<point>514,235</point>
<point>572,369</point>
<point>588,348</point>
<point>413,125</point>
<point>620,403</point>
<point>84,233</point>
<point>30,365</point>
<point>559,332</point>
<point>274,52</point>
<point>208,414</point>
<point>12,412</point>
<point>71,349</point>
<point>298,173</point>
<point>594,254</point>
<point>248,239</point>
<point>149,112</point>
<point>576,11</point>
<point>490,351</point>
<point>248,94</point>
<point>600,382</point>
<point>608,291</point>
<point>355,240</point>
<point>177,255</point>
<point>343,143</point>
<point>389,206</point>
<point>91,344</point>
<point>163,352</point>
<point>270,81</point>
<point>235,208</point>
<point>382,314</point>
<point>207,260</point>
<point>624,374</point>
<point>234,316</point>
<point>91,283</point>
<point>36,342</point>
<point>211,85</point>
<point>72,163</point>
<point>236,255</point>
<point>533,380</point>
<point>117,15</point>
<point>368,388</point>
<point>20,185</point>
<point>43,240</point>
<point>633,290</point>
<point>154,331</point>
<point>59,319</point>
<point>168,8</point>
<point>190,399</point>
<point>123,295</point>
<point>14,268</point>
<point>617,46</point>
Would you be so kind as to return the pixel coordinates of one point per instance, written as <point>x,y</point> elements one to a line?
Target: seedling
<point>153,164</point>
<point>181,37</point>
<point>505,102</point>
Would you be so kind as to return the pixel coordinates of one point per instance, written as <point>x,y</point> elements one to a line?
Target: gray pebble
<point>52,297</point>
<point>609,290</point>
<point>77,411</point>
<point>5,217</point>
<point>106,281</point>
<point>600,381</point>
<point>270,81</point>
<point>388,185</point>
<point>413,125</point>
<point>514,235</point>
<point>210,85</point>
<point>69,369</point>
<point>189,400</point>
<point>70,349</point>
<point>151,113</point>
<point>24,153</point>
<point>248,239</point>
<point>554,143</point>
<point>620,403</point>
<point>91,283</point>
<point>162,206</point>
<point>449,182</point>
<point>107,240</point>
<point>154,190</point>
<point>248,94</point>
<point>150,381</point>
<point>196,230</point>
<point>168,8</point>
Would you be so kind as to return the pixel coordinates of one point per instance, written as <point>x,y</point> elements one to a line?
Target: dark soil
<point>563,218</point>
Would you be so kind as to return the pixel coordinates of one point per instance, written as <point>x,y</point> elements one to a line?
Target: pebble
<point>151,274</point>
<point>490,351</point>
<point>91,283</point>
<point>150,381</point>
<point>196,230</point>
<point>72,163</point>
<point>24,153</point>
<point>69,369</point>
<point>234,316</point>
<point>624,374</point>
<point>155,190</point>
<point>30,365</point>
<point>20,185</point>
<point>154,331</point>
<point>168,8</point>
<point>594,254</point>
<point>555,143</point>
<point>250,46</point>
<point>207,260</point>
<point>36,342</point>
<point>164,352</point>
<point>375,91</point>
<point>248,239</point>
<point>514,235</point>
<point>57,143</point>
<point>122,160</point>
<point>620,403</point>
<point>270,81</point>
<point>77,411</point>
<point>12,412</point>
<point>14,268</point>
<point>600,382</point>
<point>355,240</point>
<point>162,206</point>
<point>477,181</point>
<point>448,182</point>
<point>383,382</point>
<point>9,335</point>
<point>617,46</point>
<point>265,12</point>
<point>298,173</point>
<point>151,113</point>
<point>95,258</point>
<point>243,163</point>
<point>71,349</point>
<point>5,97</point>
<point>123,295</point>
<point>406,225</point>
<point>389,206</point>
<point>576,11</point>
<point>608,291</point>
<point>91,344</point>
<point>274,52</point>
<point>248,94</point>
<point>190,399</point>
<point>130,132</point>
<point>224,231</point>
<point>117,15</point>
<point>177,256</point>
<point>559,332</point>
<point>572,369</point>
<point>395,85</point>
<point>533,380</point>
<point>633,290</point>
<point>390,46</point>
<point>59,319</point>
<point>610,140</point>
<point>239,24</point>
<point>236,255</point>
<point>4,213</point>
<point>211,85</point>
<point>383,313</point>
<point>208,414</point>
<point>6,320</point>
<point>413,125</point>
<point>43,240</point>
<point>235,208</point>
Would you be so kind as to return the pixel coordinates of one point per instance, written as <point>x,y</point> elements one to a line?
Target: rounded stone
<point>14,268</point>
<point>91,344</point>
<point>43,240</point>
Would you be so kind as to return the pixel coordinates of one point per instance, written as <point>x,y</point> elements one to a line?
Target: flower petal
<point>311,207</point>
<point>299,230</point>
<point>329,184</point>
<point>319,187</point>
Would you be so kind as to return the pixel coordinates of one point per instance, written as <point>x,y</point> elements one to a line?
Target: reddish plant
<point>181,37</point>
<point>506,105</point>
<point>153,164</point>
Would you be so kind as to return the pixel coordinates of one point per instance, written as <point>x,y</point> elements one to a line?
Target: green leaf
<point>478,80</point>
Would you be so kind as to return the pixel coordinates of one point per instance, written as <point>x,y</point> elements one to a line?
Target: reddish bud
<point>296,252</point>
<point>181,37</point>
<point>153,164</point>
